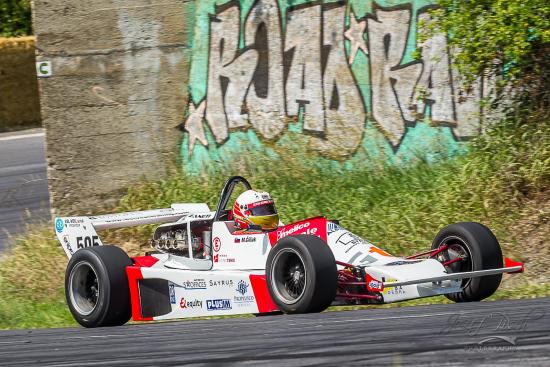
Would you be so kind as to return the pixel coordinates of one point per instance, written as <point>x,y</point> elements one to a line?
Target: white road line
<point>23,136</point>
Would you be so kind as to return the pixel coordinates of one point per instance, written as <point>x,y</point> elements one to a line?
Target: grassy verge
<point>501,182</point>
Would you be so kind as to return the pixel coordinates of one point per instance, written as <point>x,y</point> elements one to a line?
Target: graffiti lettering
<point>304,86</point>
<point>269,63</point>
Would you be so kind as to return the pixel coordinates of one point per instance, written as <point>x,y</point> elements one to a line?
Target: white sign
<point>44,69</point>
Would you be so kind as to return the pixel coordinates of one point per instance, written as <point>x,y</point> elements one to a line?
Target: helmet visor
<point>263,210</point>
<point>267,222</point>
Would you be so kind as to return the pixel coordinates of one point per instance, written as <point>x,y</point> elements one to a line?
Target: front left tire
<point>301,274</point>
<point>96,286</point>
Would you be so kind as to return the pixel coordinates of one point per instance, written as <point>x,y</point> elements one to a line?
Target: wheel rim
<point>456,249</point>
<point>83,288</point>
<point>289,276</point>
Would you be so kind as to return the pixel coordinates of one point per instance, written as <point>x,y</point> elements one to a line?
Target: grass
<point>501,182</point>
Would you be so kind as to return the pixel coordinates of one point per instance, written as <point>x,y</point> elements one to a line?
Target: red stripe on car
<point>263,299</point>
<point>134,275</point>
<point>316,226</point>
<point>145,261</point>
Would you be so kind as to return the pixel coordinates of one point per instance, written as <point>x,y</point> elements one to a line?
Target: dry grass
<point>16,44</point>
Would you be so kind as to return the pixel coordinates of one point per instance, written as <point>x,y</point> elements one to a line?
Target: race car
<point>204,266</point>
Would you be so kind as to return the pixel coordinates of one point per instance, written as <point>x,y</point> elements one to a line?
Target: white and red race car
<point>203,266</point>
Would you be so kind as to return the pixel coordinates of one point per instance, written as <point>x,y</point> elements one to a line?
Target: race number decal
<point>86,241</point>
<point>76,233</point>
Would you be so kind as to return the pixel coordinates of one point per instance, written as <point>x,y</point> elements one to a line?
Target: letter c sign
<point>44,69</point>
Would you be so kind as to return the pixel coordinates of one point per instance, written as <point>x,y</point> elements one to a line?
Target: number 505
<point>87,241</point>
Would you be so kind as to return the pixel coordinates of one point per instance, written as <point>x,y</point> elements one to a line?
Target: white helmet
<point>255,208</point>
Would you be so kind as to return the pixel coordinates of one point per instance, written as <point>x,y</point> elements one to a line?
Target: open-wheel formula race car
<point>203,266</point>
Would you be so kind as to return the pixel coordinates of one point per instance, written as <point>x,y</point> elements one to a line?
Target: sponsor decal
<point>200,216</point>
<point>221,283</point>
<point>222,258</point>
<point>299,228</point>
<point>74,222</point>
<point>197,303</point>
<point>59,225</point>
<point>217,244</point>
<point>332,227</point>
<point>259,203</point>
<point>246,239</point>
<point>194,284</point>
<point>68,244</point>
<point>394,291</point>
<point>218,304</point>
<point>242,287</point>
<point>243,299</point>
<point>314,226</point>
<point>172,293</point>
<point>374,285</point>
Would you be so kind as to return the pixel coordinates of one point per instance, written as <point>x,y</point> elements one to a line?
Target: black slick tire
<point>479,248</point>
<point>96,286</point>
<point>301,274</point>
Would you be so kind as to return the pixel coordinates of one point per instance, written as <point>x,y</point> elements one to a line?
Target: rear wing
<point>75,233</point>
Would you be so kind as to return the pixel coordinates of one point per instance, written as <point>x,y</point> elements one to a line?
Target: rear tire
<point>479,249</point>
<point>301,274</point>
<point>96,286</point>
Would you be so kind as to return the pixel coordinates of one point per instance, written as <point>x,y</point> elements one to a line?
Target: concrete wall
<point>115,97</point>
<point>19,106</point>
<point>239,74</point>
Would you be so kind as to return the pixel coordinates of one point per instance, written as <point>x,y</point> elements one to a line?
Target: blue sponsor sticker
<point>194,284</point>
<point>332,227</point>
<point>59,225</point>
<point>218,304</point>
<point>242,287</point>
<point>172,293</point>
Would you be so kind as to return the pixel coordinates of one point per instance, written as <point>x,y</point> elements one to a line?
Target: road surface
<point>503,333</point>
<point>23,182</point>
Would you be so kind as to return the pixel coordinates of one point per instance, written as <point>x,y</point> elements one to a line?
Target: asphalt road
<point>457,334</point>
<point>23,182</point>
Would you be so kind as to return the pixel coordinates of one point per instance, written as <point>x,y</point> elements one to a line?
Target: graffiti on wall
<point>335,67</point>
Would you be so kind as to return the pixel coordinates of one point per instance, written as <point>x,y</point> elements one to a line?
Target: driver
<point>254,208</point>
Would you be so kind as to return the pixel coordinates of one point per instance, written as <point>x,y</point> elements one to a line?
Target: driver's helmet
<point>255,208</point>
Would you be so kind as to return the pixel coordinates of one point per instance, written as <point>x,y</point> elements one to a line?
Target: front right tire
<point>472,246</point>
<point>96,286</point>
